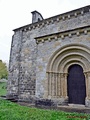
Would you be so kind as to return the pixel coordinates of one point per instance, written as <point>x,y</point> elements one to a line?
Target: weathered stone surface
<point>42,52</point>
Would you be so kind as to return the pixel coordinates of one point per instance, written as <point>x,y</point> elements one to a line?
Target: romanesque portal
<point>68,74</point>
<point>50,59</point>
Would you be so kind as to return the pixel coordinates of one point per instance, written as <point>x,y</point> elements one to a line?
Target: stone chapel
<point>50,59</point>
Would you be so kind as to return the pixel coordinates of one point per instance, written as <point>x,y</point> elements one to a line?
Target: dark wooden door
<point>76,85</point>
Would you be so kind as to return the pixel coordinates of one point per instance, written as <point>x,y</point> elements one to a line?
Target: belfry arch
<point>57,69</point>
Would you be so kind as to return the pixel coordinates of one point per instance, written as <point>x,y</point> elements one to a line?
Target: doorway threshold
<point>76,105</point>
<point>74,108</point>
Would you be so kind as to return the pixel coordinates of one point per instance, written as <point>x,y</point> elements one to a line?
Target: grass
<point>13,111</point>
<point>3,88</point>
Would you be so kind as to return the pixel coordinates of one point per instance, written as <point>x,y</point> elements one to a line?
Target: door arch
<point>76,87</point>
<point>58,67</point>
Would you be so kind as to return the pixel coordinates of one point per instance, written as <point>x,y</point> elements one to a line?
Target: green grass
<point>3,88</point>
<point>13,111</point>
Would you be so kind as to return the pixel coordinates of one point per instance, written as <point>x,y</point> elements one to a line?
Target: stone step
<point>73,108</point>
<point>76,105</point>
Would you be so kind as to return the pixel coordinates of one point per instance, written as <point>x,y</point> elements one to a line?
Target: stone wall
<point>14,64</point>
<point>45,52</point>
<point>33,46</point>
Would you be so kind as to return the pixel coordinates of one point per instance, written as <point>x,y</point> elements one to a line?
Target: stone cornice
<point>69,33</point>
<point>51,20</point>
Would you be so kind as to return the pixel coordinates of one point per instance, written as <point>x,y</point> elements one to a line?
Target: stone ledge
<point>69,33</point>
<point>59,108</point>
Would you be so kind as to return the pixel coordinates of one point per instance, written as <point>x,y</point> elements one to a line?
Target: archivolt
<point>68,55</point>
<point>58,65</point>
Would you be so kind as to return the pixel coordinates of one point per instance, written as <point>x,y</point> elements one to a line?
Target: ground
<point>13,111</point>
<point>3,88</point>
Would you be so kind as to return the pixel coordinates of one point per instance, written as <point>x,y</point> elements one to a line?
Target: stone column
<point>63,100</point>
<point>49,84</point>
<point>46,93</point>
<point>62,82</point>
<point>87,79</point>
<point>88,85</point>
<point>52,84</point>
<point>65,85</point>
<point>58,85</point>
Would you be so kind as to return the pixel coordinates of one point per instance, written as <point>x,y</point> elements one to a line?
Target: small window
<point>38,19</point>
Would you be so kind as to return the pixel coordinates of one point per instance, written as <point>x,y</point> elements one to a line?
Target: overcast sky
<point>17,13</point>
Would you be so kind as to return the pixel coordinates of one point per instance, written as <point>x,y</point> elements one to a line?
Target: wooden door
<point>76,85</point>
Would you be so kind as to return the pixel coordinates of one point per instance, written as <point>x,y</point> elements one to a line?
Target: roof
<point>84,9</point>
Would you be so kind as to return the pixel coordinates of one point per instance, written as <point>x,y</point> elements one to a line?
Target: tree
<point>3,70</point>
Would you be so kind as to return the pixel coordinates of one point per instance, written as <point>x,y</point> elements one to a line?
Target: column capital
<point>63,74</point>
<point>87,73</point>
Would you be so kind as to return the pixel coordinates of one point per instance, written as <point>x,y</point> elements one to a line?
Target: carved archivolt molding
<point>69,55</point>
<point>59,63</point>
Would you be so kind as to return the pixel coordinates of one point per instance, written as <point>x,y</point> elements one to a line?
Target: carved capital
<point>65,74</point>
<point>87,74</point>
<point>61,75</point>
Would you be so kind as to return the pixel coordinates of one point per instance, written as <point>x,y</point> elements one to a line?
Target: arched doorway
<point>60,64</point>
<point>76,87</point>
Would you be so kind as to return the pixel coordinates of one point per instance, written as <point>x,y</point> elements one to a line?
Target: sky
<point>17,13</point>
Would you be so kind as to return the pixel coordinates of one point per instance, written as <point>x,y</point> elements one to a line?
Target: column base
<point>60,101</point>
<point>54,102</point>
<point>87,102</point>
